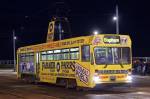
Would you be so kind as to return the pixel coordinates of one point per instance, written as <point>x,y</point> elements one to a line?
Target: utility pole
<point>60,31</point>
<point>117,20</point>
<point>14,49</point>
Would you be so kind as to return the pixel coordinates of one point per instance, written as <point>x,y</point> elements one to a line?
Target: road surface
<point>12,88</point>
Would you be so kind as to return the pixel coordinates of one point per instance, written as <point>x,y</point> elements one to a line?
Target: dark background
<point>30,20</point>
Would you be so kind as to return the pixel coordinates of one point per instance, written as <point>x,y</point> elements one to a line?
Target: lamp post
<point>95,32</point>
<point>116,19</point>
<point>14,49</point>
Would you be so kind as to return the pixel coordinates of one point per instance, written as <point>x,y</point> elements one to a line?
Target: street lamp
<point>95,32</point>
<point>116,19</point>
<point>15,37</point>
<point>14,49</point>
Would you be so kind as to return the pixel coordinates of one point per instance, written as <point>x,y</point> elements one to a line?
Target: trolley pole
<point>14,49</point>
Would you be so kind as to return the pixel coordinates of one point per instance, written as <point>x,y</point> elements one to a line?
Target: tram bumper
<point>98,82</point>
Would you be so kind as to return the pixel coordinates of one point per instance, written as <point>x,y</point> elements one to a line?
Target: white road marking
<point>134,95</point>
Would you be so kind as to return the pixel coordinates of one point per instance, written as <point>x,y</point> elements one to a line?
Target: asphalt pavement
<point>12,88</point>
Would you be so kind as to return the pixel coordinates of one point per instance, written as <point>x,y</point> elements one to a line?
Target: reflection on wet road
<point>11,88</point>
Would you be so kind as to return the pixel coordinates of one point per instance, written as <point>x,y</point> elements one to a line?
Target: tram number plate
<point>112,78</point>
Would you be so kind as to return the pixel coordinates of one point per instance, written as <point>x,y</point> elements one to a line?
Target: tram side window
<point>50,55</point>
<point>22,58</point>
<point>43,55</point>
<point>85,53</point>
<point>74,53</point>
<point>126,59</point>
<point>31,57</point>
<point>65,54</point>
<point>57,54</point>
<point>27,57</point>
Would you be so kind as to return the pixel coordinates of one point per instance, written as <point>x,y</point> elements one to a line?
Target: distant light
<point>62,31</point>
<point>95,32</point>
<point>115,18</point>
<point>26,16</point>
<point>22,27</point>
<point>15,37</point>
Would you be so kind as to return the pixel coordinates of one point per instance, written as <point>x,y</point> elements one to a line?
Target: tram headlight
<point>129,78</point>
<point>96,79</point>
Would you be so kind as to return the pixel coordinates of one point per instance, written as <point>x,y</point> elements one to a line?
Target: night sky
<point>30,20</point>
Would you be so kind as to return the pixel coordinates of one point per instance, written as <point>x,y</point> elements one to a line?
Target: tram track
<point>24,93</point>
<point>12,88</point>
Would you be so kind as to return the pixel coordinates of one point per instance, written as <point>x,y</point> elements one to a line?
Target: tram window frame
<point>85,55</point>
<point>27,57</point>
<point>31,57</point>
<point>57,54</point>
<point>74,51</point>
<point>22,57</point>
<point>45,54</point>
<point>50,54</point>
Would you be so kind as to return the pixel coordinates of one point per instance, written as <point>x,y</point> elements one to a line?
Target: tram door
<point>37,65</point>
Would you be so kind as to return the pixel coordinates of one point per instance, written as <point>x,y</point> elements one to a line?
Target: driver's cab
<point>112,59</point>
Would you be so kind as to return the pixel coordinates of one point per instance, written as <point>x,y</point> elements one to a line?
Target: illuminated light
<point>95,32</point>
<point>129,78</point>
<point>115,18</point>
<point>143,93</point>
<point>15,37</point>
<point>26,16</point>
<point>122,76</point>
<point>96,79</point>
<point>103,77</point>
<point>111,40</point>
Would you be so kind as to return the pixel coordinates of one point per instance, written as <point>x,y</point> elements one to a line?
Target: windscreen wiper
<point>105,65</point>
<point>121,65</point>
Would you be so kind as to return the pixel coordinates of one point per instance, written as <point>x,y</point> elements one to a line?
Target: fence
<point>141,59</point>
<point>136,60</point>
<point>4,64</point>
